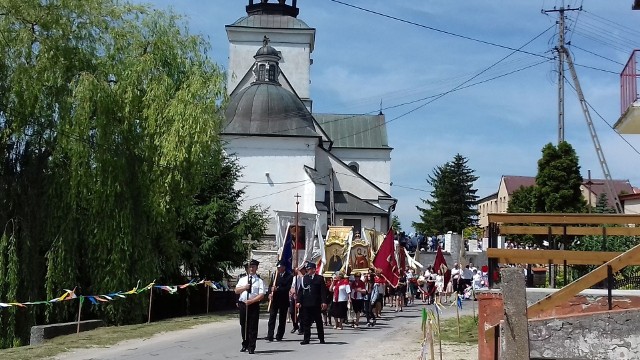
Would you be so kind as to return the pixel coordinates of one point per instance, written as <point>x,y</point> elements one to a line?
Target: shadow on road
<point>267,352</point>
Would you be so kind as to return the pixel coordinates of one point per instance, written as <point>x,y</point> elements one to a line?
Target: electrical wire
<point>603,119</point>
<point>436,29</point>
<point>598,55</point>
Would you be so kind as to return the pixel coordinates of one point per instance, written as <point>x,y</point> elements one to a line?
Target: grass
<point>107,336</point>
<point>468,330</point>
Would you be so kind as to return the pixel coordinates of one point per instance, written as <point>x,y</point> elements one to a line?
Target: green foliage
<point>558,180</point>
<point>612,243</point>
<point>602,205</point>
<point>108,114</point>
<point>453,199</point>
<point>395,223</point>
<point>524,200</point>
<point>473,232</point>
<point>213,226</point>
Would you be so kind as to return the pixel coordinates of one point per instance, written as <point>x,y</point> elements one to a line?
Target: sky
<point>501,113</point>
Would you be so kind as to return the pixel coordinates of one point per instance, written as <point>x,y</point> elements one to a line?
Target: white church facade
<point>338,164</point>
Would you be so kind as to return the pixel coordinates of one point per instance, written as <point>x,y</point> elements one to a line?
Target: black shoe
<point>293,330</point>
<point>304,342</point>
<point>252,351</point>
<point>243,349</point>
<point>322,342</point>
<point>269,339</point>
<point>300,333</point>
<point>278,339</point>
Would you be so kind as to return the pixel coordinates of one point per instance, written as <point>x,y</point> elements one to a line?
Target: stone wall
<point>587,303</point>
<point>606,335</point>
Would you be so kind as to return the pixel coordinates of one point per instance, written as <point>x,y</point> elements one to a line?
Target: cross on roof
<point>265,40</point>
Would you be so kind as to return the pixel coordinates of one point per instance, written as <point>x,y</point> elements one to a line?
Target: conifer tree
<point>451,207</point>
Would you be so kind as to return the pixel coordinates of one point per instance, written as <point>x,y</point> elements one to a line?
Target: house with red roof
<point>498,202</point>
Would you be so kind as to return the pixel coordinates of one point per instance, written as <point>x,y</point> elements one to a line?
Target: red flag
<point>386,260</point>
<point>441,264</point>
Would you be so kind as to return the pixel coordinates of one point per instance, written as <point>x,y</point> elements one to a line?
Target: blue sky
<point>362,59</point>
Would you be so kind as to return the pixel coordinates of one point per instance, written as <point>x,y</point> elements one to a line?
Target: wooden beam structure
<point>521,256</point>
<point>570,230</point>
<point>568,292</point>
<point>564,219</point>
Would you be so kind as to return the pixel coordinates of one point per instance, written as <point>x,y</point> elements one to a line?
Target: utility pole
<point>561,61</point>
<point>594,136</point>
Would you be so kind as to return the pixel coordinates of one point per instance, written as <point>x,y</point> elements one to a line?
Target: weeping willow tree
<point>108,113</point>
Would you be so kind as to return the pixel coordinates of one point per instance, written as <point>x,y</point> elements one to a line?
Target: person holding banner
<point>279,300</point>
<point>251,290</point>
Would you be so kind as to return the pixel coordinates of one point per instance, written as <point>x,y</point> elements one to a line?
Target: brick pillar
<point>490,312</point>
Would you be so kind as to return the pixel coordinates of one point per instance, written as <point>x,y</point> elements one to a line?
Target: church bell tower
<point>278,21</point>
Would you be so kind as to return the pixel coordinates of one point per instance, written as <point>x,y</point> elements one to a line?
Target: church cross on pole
<point>297,196</point>
<point>248,242</point>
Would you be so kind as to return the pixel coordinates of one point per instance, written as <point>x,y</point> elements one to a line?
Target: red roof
<point>513,183</point>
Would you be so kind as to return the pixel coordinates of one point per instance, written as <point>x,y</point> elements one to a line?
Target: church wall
<point>370,222</point>
<point>283,159</point>
<point>345,180</point>
<point>294,47</point>
<point>374,164</point>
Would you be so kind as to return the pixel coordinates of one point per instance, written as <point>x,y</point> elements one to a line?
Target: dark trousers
<point>249,315</point>
<point>278,310</point>
<point>295,320</point>
<point>368,311</point>
<point>309,315</point>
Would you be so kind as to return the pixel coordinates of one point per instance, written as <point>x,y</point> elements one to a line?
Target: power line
<point>598,55</point>
<point>436,29</point>
<point>604,120</point>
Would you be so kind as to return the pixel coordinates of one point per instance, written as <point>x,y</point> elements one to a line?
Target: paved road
<point>221,340</point>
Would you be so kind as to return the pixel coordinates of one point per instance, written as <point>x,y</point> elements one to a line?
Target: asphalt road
<point>221,340</point>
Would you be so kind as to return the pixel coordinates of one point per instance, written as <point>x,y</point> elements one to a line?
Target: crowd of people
<point>304,298</point>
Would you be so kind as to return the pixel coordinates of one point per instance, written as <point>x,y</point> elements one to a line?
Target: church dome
<point>267,50</point>
<point>268,109</point>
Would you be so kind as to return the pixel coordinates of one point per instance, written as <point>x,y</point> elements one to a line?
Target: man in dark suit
<point>312,296</point>
<point>279,300</point>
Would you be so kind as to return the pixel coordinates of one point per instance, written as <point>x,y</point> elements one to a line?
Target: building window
<point>354,166</point>
<point>272,72</point>
<point>261,70</point>
<point>356,223</point>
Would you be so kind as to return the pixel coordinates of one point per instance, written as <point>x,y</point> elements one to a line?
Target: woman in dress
<point>440,285</point>
<point>401,290</point>
<point>341,293</point>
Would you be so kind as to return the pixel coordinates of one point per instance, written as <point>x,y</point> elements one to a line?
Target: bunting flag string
<point>105,298</point>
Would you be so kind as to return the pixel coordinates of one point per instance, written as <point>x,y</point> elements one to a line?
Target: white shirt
<point>477,281</point>
<point>343,292</point>
<point>455,273</point>
<point>257,287</point>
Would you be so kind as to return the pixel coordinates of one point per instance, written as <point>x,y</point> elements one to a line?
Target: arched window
<point>272,72</point>
<point>261,70</point>
<point>354,166</point>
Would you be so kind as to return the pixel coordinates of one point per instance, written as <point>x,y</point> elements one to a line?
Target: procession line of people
<point>308,299</point>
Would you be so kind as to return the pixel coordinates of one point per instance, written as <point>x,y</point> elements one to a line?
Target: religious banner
<point>360,254</point>
<point>336,246</point>
<point>302,240</point>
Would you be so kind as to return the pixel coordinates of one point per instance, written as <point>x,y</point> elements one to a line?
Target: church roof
<point>347,203</point>
<point>355,131</point>
<point>271,21</point>
<point>268,109</point>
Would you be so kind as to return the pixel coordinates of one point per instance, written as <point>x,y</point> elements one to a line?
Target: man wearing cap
<point>251,290</point>
<point>279,300</point>
<point>312,296</point>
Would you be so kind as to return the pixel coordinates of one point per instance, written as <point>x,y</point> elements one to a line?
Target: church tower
<point>291,36</point>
